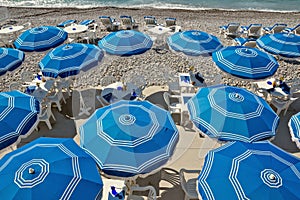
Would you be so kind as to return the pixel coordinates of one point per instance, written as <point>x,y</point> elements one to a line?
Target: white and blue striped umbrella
<point>230,113</point>
<point>49,168</point>
<point>282,44</point>
<point>10,59</point>
<point>194,43</point>
<point>245,62</point>
<point>294,125</point>
<point>126,43</point>
<point>70,59</point>
<point>40,38</point>
<point>129,138</point>
<point>18,114</point>
<point>259,170</point>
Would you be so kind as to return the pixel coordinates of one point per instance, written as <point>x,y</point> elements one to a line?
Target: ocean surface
<point>262,5</point>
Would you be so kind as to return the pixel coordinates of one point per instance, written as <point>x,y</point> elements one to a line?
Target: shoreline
<point>190,9</point>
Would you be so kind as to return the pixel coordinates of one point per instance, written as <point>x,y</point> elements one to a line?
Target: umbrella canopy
<point>126,43</point>
<point>294,125</point>
<point>70,59</point>
<point>194,43</point>
<point>49,168</point>
<point>40,38</point>
<point>18,114</point>
<point>258,170</point>
<point>10,59</point>
<point>129,138</point>
<point>245,62</point>
<point>230,113</point>
<point>282,44</point>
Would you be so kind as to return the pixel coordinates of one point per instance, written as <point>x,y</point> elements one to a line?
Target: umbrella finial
<point>31,171</point>
<point>272,177</point>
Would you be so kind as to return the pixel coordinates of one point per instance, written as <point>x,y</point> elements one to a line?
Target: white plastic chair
<point>174,107</point>
<point>64,85</point>
<point>45,115</point>
<point>189,186</point>
<point>56,98</point>
<point>90,35</point>
<point>281,105</point>
<point>151,195</point>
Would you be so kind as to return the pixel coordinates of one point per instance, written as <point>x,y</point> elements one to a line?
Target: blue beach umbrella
<point>245,62</point>
<point>129,138</point>
<point>194,43</point>
<point>282,44</point>
<point>10,59</point>
<point>70,59</point>
<point>232,114</point>
<point>18,114</point>
<point>259,171</point>
<point>294,125</point>
<point>125,43</point>
<point>40,38</point>
<point>49,168</point>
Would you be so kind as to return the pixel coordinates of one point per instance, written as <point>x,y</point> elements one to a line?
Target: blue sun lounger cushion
<point>66,23</point>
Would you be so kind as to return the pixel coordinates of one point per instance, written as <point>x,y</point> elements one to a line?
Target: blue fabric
<point>194,43</point>
<point>87,22</point>
<point>18,113</point>
<point>257,171</point>
<point>270,28</point>
<point>67,22</point>
<point>10,59</point>
<point>125,43</point>
<point>294,125</point>
<point>40,38</point>
<point>283,44</point>
<point>62,170</point>
<point>111,19</point>
<point>70,59</point>
<point>232,114</point>
<point>291,29</point>
<point>245,62</point>
<point>128,138</point>
<point>242,41</point>
<point>245,28</point>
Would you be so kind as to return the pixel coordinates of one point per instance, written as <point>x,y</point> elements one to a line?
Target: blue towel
<point>67,22</point>
<point>87,22</point>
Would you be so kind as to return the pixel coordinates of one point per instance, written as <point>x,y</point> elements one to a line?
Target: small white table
<point>159,30</point>
<point>11,29</point>
<point>116,26</point>
<point>75,29</point>
<point>116,91</point>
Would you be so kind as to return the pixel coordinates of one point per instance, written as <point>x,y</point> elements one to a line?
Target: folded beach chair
<point>170,21</point>
<point>107,22</point>
<point>150,21</point>
<point>295,30</point>
<point>67,23</point>
<point>249,42</point>
<point>253,30</point>
<point>128,22</point>
<point>276,28</point>
<point>231,29</point>
<point>87,22</point>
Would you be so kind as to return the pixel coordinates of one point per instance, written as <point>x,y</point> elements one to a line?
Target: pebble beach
<point>154,66</point>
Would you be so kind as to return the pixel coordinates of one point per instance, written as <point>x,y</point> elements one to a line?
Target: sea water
<point>261,5</point>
